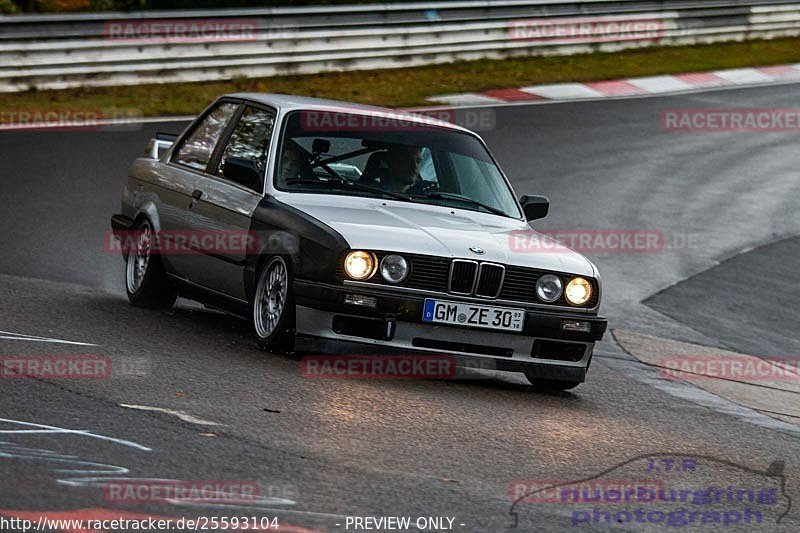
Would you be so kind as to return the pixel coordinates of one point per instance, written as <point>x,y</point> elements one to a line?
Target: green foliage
<point>7,7</point>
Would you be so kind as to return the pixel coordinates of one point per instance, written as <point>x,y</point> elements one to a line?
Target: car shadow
<point>204,320</point>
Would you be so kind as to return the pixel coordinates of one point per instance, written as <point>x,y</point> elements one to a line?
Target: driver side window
<point>244,159</point>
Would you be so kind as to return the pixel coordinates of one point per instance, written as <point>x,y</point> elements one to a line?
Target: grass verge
<point>411,86</point>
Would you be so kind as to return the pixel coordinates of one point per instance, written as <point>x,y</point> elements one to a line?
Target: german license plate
<point>473,315</point>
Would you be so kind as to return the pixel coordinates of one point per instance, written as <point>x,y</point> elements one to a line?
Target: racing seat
<point>375,168</point>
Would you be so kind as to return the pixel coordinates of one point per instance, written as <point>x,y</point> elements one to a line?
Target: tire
<point>551,385</point>
<point>272,310</point>
<point>146,281</point>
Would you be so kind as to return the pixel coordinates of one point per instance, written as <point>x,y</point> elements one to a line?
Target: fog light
<point>363,301</point>
<point>581,326</point>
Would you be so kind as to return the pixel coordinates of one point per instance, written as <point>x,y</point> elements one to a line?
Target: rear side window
<point>198,147</point>
<point>245,155</point>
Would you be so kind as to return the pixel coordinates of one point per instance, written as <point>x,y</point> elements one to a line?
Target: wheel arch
<point>148,210</point>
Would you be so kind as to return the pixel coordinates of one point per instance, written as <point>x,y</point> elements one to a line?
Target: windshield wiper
<point>467,199</point>
<point>338,183</point>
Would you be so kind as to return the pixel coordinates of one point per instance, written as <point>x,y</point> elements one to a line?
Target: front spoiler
<point>319,305</point>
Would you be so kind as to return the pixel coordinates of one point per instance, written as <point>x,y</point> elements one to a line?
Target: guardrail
<point>97,49</point>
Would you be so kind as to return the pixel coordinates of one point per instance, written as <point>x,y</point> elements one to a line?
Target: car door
<point>184,172</point>
<point>229,193</point>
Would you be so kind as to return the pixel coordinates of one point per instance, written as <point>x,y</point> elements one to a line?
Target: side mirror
<point>534,207</point>
<point>244,171</point>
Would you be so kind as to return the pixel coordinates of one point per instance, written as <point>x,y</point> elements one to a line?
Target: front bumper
<point>543,349</point>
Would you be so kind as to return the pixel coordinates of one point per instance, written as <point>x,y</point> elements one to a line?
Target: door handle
<point>196,195</point>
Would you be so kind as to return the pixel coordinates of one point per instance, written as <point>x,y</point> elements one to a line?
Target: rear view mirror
<point>243,171</point>
<point>321,146</point>
<point>534,207</point>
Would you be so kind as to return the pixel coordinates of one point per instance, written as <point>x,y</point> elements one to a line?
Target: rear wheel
<point>272,309</point>
<point>146,280</point>
<point>551,385</point>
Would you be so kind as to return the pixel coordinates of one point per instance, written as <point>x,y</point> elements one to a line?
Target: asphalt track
<point>322,450</point>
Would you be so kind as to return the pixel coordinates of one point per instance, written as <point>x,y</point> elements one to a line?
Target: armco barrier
<point>97,49</point>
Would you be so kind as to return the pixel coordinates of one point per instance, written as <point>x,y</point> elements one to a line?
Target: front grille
<point>427,273</point>
<point>490,280</point>
<point>520,284</point>
<point>462,276</point>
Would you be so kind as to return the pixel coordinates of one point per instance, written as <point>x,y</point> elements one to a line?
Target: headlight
<point>548,288</point>
<point>359,265</point>
<point>394,268</point>
<point>579,291</point>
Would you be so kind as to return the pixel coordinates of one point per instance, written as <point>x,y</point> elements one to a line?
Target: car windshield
<point>331,152</point>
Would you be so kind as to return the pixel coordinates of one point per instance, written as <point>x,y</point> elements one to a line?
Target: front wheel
<point>551,385</point>
<point>272,309</point>
<point>145,278</point>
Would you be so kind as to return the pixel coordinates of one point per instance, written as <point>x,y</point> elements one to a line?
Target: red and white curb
<point>652,85</point>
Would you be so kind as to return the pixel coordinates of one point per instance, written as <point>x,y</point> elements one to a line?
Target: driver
<point>402,174</point>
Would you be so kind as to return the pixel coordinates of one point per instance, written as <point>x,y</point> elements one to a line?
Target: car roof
<point>288,102</point>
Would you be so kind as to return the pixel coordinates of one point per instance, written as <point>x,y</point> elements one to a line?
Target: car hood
<point>375,224</point>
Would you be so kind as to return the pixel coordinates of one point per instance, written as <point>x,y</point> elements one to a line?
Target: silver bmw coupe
<point>361,224</point>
